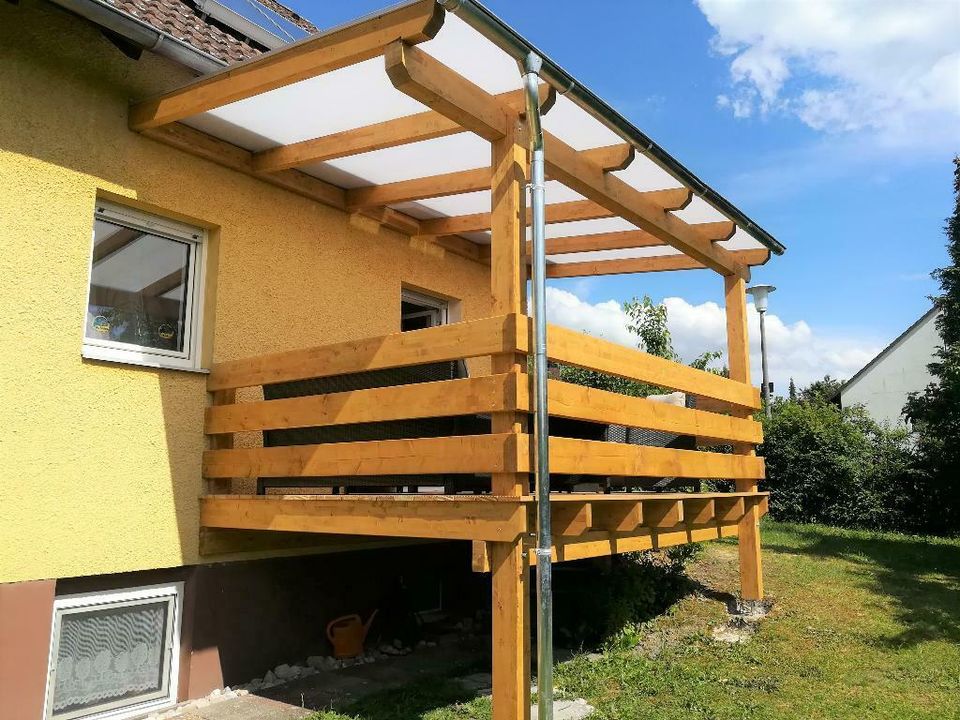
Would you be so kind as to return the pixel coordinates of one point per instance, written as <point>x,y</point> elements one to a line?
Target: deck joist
<point>584,524</point>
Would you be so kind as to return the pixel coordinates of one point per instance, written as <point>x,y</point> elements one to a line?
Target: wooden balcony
<point>479,482</point>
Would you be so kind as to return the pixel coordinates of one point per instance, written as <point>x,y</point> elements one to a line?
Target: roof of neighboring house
<point>184,20</point>
<point>887,350</point>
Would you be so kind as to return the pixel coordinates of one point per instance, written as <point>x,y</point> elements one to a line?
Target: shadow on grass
<point>921,575</point>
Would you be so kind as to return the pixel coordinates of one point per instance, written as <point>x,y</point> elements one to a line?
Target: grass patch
<point>864,625</point>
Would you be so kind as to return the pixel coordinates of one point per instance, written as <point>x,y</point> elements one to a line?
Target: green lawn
<point>864,625</point>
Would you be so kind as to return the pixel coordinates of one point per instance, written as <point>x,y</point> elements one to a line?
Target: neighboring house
<point>216,302</point>
<point>883,384</point>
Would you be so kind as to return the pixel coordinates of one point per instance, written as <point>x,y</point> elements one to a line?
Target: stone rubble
<point>216,696</point>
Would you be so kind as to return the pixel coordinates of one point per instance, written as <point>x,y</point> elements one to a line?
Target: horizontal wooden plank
<point>592,457</point>
<point>454,183</point>
<point>576,348</point>
<point>480,454</point>
<point>456,341</point>
<point>444,398</point>
<point>584,403</point>
<point>436,517</point>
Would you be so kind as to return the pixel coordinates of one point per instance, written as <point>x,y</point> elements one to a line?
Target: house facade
<point>883,385</point>
<point>154,273</point>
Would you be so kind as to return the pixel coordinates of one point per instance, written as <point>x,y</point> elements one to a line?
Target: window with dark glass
<point>142,287</point>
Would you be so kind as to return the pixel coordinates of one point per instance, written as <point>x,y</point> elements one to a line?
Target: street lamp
<point>760,294</point>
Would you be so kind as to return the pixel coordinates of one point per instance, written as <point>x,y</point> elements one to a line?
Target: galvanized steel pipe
<point>531,84</point>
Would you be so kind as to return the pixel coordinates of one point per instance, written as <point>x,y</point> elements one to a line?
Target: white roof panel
<point>362,94</point>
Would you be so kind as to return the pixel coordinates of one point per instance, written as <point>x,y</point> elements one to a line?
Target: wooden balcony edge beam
<point>450,520</point>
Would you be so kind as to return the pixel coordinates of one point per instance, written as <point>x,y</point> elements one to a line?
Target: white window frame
<point>69,604</point>
<point>196,239</point>
<point>434,303</point>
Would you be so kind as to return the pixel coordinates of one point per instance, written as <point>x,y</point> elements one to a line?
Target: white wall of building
<point>883,385</point>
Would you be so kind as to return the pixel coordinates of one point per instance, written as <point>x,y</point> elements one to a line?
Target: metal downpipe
<point>531,81</point>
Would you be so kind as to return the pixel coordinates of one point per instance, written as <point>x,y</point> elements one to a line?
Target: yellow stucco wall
<point>101,462</point>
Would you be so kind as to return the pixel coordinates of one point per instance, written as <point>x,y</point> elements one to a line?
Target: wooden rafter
<point>437,86</point>
<point>671,199</point>
<point>567,165</point>
<point>165,284</point>
<point>454,183</point>
<point>599,241</point>
<point>390,133</point>
<point>314,56</point>
<point>115,243</point>
<point>658,263</point>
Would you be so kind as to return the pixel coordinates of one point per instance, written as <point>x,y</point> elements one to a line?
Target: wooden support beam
<point>672,199</point>
<point>715,231</point>
<point>390,133</point>
<point>656,263</point>
<point>599,241</point>
<point>738,360</point>
<point>455,183</point>
<point>412,23</point>
<point>618,517</point>
<point>440,88</point>
<point>410,516</point>
<point>115,243</point>
<point>611,157</point>
<point>426,79</point>
<point>510,621</point>
<point>729,509</point>
<point>699,511</point>
<point>662,513</point>
<point>565,164</point>
<point>168,282</point>
<point>571,518</point>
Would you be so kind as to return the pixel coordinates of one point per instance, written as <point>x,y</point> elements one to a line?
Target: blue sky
<point>797,126</point>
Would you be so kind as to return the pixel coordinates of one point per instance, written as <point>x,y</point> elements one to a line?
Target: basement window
<point>145,289</point>
<point>114,655</point>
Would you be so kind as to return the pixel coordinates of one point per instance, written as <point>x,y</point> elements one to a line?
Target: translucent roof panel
<point>362,95</point>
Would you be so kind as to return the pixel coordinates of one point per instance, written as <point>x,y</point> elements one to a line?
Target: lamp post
<point>760,294</point>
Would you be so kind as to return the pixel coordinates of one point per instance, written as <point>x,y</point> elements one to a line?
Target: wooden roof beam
<point>309,58</point>
<point>576,172</point>
<point>658,263</point>
<point>424,78</point>
<point>454,183</point>
<point>672,199</point>
<point>390,133</point>
<point>599,241</point>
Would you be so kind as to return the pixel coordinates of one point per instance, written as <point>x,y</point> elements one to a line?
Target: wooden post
<point>738,351</point>
<point>509,563</point>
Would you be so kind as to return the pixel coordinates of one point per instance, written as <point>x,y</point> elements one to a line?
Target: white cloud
<point>888,66</point>
<point>794,350</point>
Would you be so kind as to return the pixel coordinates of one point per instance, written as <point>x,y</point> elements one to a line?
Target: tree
<point>935,413</point>
<point>793,391</point>
<point>821,391</point>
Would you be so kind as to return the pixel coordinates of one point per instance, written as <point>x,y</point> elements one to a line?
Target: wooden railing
<point>505,392</point>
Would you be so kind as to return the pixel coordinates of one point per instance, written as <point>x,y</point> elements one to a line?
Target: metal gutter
<point>141,34</point>
<point>494,29</point>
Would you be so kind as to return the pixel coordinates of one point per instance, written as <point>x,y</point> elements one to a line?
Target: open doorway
<point>419,311</point>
